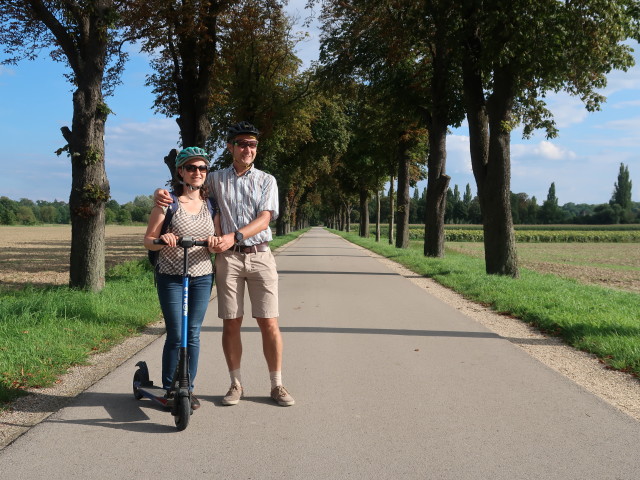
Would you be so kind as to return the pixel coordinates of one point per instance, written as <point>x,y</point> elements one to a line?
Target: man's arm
<point>162,197</point>
<point>260,223</point>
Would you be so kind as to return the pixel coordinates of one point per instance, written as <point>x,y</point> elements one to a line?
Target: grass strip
<point>46,330</point>
<point>598,320</point>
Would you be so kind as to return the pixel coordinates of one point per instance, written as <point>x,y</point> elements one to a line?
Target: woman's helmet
<point>241,128</point>
<point>190,152</point>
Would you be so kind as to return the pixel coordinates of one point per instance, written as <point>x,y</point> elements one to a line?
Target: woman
<point>193,218</point>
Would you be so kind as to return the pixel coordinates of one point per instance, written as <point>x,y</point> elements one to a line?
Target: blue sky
<point>35,101</point>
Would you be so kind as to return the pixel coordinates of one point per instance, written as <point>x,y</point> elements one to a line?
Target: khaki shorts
<point>258,271</point>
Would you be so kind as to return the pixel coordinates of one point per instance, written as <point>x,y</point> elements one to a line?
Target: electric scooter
<point>178,398</point>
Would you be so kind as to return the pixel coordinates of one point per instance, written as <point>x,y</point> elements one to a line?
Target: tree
<point>514,52</point>
<point>184,38</point>
<point>550,211</point>
<point>622,192</point>
<point>82,35</point>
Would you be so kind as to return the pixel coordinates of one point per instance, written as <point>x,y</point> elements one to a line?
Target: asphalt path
<point>389,383</point>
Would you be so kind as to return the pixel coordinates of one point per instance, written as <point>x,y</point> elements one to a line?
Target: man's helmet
<point>241,128</point>
<point>190,152</point>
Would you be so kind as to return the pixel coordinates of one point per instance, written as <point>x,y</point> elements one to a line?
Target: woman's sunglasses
<point>193,168</point>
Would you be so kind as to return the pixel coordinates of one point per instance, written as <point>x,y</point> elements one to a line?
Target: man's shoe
<point>195,403</point>
<point>282,397</point>
<point>233,396</point>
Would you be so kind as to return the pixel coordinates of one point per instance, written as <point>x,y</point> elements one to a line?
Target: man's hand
<point>162,198</point>
<point>225,242</point>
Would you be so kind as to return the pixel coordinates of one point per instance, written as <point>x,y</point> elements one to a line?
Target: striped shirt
<point>241,198</point>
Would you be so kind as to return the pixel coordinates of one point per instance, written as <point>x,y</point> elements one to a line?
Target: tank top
<point>199,226</point>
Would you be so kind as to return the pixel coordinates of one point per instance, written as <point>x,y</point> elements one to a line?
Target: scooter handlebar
<point>184,242</point>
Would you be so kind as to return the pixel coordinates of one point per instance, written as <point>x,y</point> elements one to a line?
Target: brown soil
<point>40,255</point>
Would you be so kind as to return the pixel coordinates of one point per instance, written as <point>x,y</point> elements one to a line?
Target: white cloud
<point>626,104</point>
<point>626,124</point>
<point>4,70</point>
<point>567,110</point>
<point>544,149</point>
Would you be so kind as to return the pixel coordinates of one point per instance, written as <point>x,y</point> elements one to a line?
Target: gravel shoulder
<point>618,389</point>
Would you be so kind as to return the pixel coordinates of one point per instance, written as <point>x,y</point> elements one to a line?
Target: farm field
<point>40,256</point>
<point>615,265</point>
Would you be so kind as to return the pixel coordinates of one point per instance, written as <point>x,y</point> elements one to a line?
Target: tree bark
<point>437,121</point>
<point>377,215</point>
<point>437,185</point>
<point>89,185</point>
<point>489,140</point>
<point>364,213</point>
<point>495,200</point>
<point>402,217</point>
<point>392,209</point>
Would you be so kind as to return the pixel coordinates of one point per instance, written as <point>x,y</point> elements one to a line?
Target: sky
<point>36,101</point>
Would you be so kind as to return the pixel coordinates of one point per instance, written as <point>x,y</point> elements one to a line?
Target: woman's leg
<point>170,295</point>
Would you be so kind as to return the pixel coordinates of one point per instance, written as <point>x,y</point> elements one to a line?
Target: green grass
<point>44,331</point>
<point>598,320</point>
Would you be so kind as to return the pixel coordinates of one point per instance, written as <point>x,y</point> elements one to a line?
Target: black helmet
<point>240,128</point>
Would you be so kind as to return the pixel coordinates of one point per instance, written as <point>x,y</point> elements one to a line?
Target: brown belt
<point>260,247</point>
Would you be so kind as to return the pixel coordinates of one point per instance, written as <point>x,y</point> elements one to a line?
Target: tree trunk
<point>437,185</point>
<point>364,213</point>
<point>437,180</point>
<point>377,215</point>
<point>193,75</point>
<point>392,210</point>
<point>283,225</point>
<point>402,218</point>
<point>495,200</point>
<point>89,185</point>
<point>489,140</point>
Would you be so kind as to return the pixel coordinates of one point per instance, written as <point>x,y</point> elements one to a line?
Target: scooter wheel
<point>183,413</point>
<point>137,378</point>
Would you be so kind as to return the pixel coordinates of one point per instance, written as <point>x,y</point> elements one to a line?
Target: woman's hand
<point>169,239</point>
<point>212,243</point>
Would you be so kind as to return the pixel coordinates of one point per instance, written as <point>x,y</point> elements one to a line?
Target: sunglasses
<point>193,168</point>
<point>244,143</point>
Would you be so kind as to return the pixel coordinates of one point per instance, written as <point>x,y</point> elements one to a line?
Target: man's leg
<point>271,343</point>
<point>232,348</point>
<point>272,348</point>
<point>232,342</point>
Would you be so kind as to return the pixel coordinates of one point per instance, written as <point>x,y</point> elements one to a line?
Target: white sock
<point>235,377</point>
<point>276,379</point>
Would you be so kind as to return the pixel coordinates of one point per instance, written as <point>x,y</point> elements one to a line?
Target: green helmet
<point>190,152</point>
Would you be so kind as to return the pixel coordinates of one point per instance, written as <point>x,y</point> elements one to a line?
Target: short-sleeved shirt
<point>241,198</point>
<point>199,226</point>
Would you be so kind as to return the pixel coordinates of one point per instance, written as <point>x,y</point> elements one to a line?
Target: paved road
<point>390,383</point>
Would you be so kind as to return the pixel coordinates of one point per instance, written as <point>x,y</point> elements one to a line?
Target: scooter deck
<point>156,394</point>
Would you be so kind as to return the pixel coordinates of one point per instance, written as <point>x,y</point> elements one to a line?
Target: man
<point>247,200</point>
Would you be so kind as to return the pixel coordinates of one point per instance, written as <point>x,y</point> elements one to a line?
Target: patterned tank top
<point>199,226</point>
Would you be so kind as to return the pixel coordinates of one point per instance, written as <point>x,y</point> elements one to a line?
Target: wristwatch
<point>238,236</point>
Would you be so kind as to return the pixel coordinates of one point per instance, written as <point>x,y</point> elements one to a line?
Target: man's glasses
<point>193,168</point>
<point>244,144</point>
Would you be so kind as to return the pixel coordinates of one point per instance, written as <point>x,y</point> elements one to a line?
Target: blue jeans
<point>170,295</point>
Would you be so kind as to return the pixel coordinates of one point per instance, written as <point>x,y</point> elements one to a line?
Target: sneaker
<point>234,395</point>
<point>195,403</point>
<point>282,397</point>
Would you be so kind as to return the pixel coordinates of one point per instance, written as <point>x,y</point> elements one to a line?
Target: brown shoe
<point>234,395</point>
<point>195,403</point>
<point>282,397</point>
